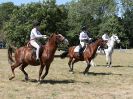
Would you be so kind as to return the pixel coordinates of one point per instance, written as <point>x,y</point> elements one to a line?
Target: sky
<point>19,2</point>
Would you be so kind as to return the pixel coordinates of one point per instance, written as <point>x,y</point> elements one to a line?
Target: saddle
<point>77,48</point>
<point>33,49</point>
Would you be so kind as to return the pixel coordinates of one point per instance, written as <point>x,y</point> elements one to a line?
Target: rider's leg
<point>82,44</point>
<point>34,44</point>
<point>37,52</point>
<point>80,51</point>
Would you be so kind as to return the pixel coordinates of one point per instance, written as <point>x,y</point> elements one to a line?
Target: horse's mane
<point>92,43</point>
<point>51,36</point>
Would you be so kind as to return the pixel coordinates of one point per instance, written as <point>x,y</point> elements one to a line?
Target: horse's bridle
<point>116,39</point>
<point>63,39</point>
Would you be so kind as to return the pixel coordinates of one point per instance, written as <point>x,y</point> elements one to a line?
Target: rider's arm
<point>80,36</point>
<point>104,37</point>
<point>36,33</point>
<point>88,37</point>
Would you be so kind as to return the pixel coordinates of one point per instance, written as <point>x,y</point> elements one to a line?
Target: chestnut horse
<point>24,56</point>
<point>87,55</point>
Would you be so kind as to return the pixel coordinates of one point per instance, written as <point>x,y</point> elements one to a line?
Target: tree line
<point>114,16</point>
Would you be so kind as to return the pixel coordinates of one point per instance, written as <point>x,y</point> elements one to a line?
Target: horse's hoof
<point>11,78</point>
<point>42,78</point>
<point>72,72</point>
<point>26,79</point>
<point>39,81</point>
<point>108,66</point>
<point>84,73</point>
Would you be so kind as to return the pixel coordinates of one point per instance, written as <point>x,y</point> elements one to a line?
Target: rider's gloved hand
<point>90,38</point>
<point>45,36</point>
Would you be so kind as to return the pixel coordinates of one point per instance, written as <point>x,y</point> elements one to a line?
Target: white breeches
<point>34,44</point>
<point>82,44</point>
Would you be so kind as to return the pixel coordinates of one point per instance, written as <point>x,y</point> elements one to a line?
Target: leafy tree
<point>127,12</point>
<point>97,15</point>
<point>6,10</point>
<point>89,13</point>
<point>128,27</point>
<point>48,13</point>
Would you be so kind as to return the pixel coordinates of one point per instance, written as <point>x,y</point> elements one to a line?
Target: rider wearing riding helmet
<point>84,38</point>
<point>105,36</point>
<point>34,35</point>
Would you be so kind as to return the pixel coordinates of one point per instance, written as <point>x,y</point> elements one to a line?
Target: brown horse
<point>87,55</point>
<point>24,56</point>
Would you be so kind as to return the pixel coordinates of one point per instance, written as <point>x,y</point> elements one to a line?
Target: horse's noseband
<point>117,39</point>
<point>62,39</point>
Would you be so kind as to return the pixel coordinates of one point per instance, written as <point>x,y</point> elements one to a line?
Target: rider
<point>35,34</point>
<point>105,37</point>
<point>84,38</point>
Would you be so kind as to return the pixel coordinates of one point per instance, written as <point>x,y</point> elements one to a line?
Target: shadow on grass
<point>96,74</point>
<point>122,66</point>
<point>52,81</point>
<point>115,66</point>
<point>55,81</point>
<point>101,65</point>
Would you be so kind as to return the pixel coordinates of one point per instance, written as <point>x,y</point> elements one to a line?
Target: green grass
<point>99,83</point>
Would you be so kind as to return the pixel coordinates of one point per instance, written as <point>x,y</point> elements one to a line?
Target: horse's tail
<point>10,57</point>
<point>64,54</point>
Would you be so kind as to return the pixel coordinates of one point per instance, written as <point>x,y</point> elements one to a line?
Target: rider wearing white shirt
<point>84,38</point>
<point>105,36</point>
<point>35,34</point>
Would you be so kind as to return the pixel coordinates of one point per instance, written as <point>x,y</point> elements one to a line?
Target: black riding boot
<point>81,51</point>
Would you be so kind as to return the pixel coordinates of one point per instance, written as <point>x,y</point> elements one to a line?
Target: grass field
<point>99,83</point>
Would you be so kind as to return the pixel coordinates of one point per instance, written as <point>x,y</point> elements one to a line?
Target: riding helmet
<point>84,28</point>
<point>36,23</point>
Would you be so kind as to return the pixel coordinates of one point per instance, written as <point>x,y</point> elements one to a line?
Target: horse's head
<point>114,37</point>
<point>59,38</point>
<point>101,42</point>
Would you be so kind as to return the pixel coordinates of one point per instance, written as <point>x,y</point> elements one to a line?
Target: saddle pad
<point>77,49</point>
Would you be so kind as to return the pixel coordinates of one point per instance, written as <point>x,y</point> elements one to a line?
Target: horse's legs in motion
<point>46,71</point>
<point>22,69</point>
<point>41,70</point>
<point>74,61</point>
<point>69,63</point>
<point>92,63</point>
<point>13,68</point>
<point>108,60</point>
<point>87,68</point>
